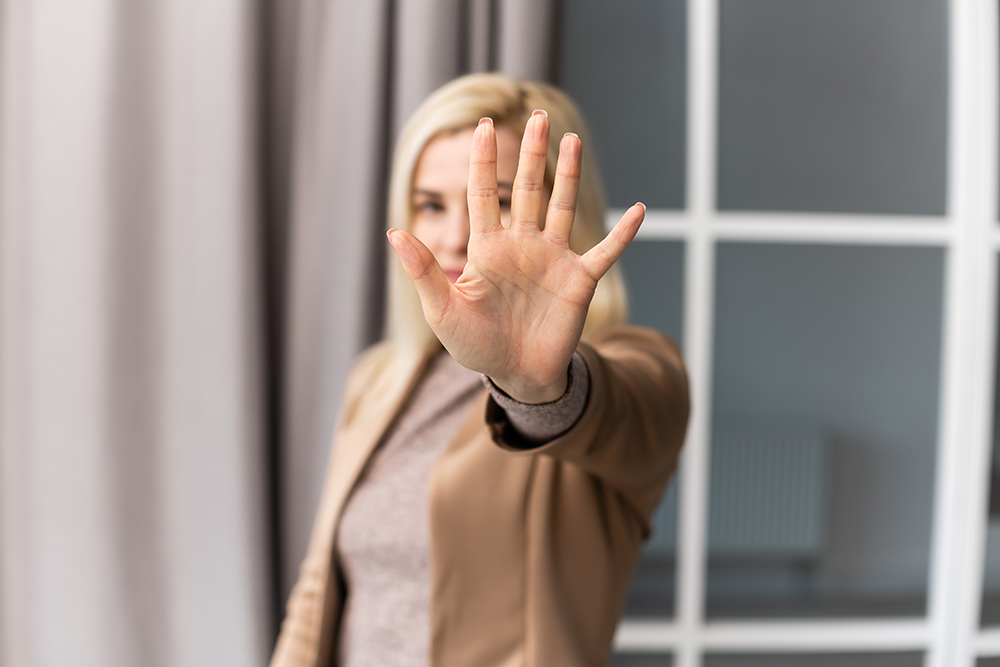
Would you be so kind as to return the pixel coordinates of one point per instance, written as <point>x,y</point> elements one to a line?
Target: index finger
<point>484,200</point>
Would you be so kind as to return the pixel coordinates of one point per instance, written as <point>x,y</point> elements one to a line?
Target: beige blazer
<point>531,549</point>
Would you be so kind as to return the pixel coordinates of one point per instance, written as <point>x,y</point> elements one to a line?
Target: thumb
<point>418,262</point>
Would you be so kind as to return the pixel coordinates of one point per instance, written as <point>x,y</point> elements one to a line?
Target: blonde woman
<point>498,457</point>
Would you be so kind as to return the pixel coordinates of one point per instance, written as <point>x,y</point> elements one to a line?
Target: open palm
<point>517,312</point>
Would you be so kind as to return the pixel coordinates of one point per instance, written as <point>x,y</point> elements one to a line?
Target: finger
<point>484,201</point>
<point>418,262</point>
<point>526,199</point>
<point>562,205</point>
<point>599,259</point>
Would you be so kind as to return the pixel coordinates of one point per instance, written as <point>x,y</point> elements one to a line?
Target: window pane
<point>833,105</point>
<point>653,590</point>
<point>624,63</point>
<point>654,276</point>
<point>642,660</point>
<point>825,402</point>
<point>817,660</point>
<point>990,614</point>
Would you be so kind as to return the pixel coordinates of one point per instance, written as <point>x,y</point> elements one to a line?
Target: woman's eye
<point>430,207</point>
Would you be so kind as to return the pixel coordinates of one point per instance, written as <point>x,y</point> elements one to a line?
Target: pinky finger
<point>602,256</point>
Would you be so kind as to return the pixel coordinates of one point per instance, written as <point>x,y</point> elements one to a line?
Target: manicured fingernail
<point>388,235</point>
<point>572,134</point>
<point>486,121</point>
<point>639,203</point>
<point>539,112</point>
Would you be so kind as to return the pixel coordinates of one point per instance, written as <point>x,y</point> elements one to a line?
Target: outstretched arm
<point>518,310</point>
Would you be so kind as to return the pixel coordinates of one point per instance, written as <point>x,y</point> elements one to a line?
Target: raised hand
<point>517,312</point>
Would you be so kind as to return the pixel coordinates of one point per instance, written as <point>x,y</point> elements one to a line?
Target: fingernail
<point>639,203</point>
<point>486,121</point>
<point>388,235</point>
<point>572,134</point>
<point>539,112</point>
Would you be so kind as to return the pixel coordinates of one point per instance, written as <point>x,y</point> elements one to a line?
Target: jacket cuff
<point>527,425</point>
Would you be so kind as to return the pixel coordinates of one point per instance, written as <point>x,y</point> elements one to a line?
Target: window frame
<point>949,635</point>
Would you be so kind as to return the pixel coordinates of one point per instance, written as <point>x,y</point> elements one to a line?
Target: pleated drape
<point>364,68</point>
<point>132,487</point>
<point>191,255</point>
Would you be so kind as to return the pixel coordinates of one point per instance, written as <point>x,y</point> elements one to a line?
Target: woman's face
<point>440,184</point>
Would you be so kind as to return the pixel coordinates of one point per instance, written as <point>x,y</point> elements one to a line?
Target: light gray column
<point>429,37</point>
<point>526,38</point>
<point>131,529</point>
<point>214,529</point>
<point>337,243</point>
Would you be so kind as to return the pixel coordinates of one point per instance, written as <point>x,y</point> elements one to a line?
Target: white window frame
<point>969,233</point>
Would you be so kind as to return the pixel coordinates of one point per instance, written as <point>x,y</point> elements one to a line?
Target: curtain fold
<point>131,492</point>
<point>363,68</point>
<point>191,256</point>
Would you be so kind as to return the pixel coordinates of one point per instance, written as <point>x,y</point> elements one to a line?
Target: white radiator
<point>767,498</point>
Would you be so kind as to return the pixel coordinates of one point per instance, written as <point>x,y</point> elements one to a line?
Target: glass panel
<point>990,613</point>
<point>625,65</point>
<point>641,660</point>
<point>833,105</point>
<point>817,660</point>
<point>825,402</point>
<point>653,590</point>
<point>654,275</point>
<point>654,278</point>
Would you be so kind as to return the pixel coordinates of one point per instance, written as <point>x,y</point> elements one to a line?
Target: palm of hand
<point>518,310</point>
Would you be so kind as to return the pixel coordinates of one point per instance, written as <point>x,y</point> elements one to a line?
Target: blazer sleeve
<point>632,428</point>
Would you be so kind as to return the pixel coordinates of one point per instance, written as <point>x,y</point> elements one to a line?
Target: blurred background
<point>191,255</point>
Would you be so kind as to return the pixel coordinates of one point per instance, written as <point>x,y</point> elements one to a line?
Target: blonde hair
<point>459,105</point>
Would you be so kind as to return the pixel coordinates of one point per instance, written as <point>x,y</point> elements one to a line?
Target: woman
<point>471,526</point>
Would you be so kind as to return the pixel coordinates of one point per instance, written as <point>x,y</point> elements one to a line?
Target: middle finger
<point>529,183</point>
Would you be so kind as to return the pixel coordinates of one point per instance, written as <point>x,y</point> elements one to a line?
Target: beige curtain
<point>191,254</point>
<point>132,527</point>
<point>364,67</point>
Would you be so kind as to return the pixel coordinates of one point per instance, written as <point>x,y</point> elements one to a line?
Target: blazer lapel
<point>358,442</point>
<point>352,450</point>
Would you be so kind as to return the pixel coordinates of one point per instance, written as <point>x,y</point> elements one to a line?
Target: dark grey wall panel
<point>624,63</point>
<point>654,276</point>
<point>833,106</point>
<point>846,339</point>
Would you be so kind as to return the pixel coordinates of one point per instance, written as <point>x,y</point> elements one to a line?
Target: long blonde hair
<point>509,102</point>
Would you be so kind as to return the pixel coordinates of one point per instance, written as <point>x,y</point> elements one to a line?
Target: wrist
<point>525,391</point>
